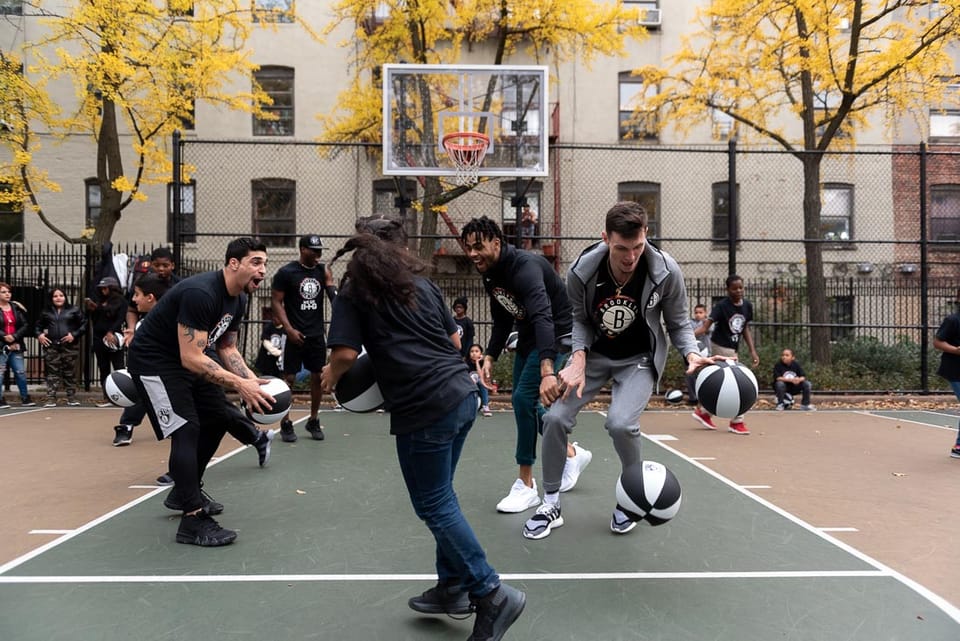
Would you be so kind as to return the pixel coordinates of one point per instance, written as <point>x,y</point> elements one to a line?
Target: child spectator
<point>465,326</point>
<point>947,340</point>
<point>476,373</point>
<point>703,342</point>
<point>270,355</point>
<point>58,331</point>
<point>788,379</point>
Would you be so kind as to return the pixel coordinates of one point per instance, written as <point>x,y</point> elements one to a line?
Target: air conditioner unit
<point>650,18</point>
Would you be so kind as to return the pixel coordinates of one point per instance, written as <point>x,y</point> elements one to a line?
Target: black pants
<point>107,361</point>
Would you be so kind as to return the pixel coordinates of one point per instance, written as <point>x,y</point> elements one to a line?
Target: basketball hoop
<point>466,150</point>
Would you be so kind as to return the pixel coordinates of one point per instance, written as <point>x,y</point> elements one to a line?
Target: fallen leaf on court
<point>300,492</point>
<point>899,474</point>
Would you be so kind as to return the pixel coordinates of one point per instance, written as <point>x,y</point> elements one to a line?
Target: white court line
<point>950,610</point>
<point>661,437</point>
<point>756,487</point>
<point>50,531</point>
<point>906,420</point>
<point>145,487</point>
<point>97,521</point>
<point>349,578</point>
<point>703,458</point>
<point>839,529</point>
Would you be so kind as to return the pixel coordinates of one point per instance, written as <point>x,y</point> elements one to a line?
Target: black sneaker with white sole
<point>496,612</point>
<point>165,480</point>
<point>539,525</point>
<point>203,530</point>
<point>287,435</point>
<point>211,507</point>
<point>442,599</point>
<point>263,443</point>
<point>124,434</point>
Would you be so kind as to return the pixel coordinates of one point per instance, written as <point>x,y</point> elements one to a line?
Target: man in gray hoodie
<point>623,291</point>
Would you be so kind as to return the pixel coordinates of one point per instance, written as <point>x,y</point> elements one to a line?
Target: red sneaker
<point>738,428</point>
<point>704,419</point>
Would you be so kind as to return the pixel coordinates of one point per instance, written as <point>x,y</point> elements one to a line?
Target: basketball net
<point>466,150</point>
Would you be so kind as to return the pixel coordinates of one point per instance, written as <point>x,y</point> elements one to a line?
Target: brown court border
<point>891,480</point>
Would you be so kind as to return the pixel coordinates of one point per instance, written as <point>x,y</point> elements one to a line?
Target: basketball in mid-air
<point>280,391</point>
<point>120,389</point>
<point>674,396</point>
<point>648,491</point>
<point>726,389</point>
<point>357,389</point>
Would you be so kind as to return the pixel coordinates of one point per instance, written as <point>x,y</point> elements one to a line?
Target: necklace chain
<point>616,281</point>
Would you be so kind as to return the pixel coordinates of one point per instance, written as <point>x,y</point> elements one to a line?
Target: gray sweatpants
<point>633,383</point>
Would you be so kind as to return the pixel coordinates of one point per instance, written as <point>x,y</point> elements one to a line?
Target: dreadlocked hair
<point>380,271</point>
<point>483,227</point>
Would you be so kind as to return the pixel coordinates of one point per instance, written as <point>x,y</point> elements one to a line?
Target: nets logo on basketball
<point>616,314</point>
<point>509,302</point>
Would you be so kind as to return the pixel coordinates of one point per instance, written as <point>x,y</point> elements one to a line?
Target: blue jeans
<point>527,410</point>
<point>484,395</point>
<point>955,386</point>
<point>428,459</point>
<point>15,361</point>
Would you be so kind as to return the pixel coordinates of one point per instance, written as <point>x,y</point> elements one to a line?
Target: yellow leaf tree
<point>138,67</point>
<point>438,31</point>
<point>797,73</point>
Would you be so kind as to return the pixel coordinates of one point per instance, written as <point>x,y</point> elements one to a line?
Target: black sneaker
<point>4,405</point>
<point>124,435</point>
<point>201,529</point>
<point>442,599</point>
<point>263,443</point>
<point>27,402</point>
<point>165,480</point>
<point>315,429</point>
<point>287,435</point>
<point>496,612</point>
<point>211,507</point>
<point>539,525</point>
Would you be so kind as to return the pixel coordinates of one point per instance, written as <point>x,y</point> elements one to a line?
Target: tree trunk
<point>109,168</point>
<point>813,249</point>
<point>432,191</point>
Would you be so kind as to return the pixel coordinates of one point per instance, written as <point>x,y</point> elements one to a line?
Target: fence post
<point>924,279</point>
<point>732,205</point>
<point>176,203</point>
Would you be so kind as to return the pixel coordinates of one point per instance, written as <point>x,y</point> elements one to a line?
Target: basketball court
<point>825,525</point>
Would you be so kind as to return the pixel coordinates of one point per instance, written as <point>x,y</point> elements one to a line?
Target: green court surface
<point>329,548</point>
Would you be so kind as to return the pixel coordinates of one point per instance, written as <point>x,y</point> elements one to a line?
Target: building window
<point>945,213</point>
<point>648,195</point>
<point>841,313</point>
<point>636,124</point>
<point>275,211</point>
<point>188,213</point>
<point>648,13</point>
<point>277,82</point>
<point>386,198</point>
<point>273,11</point>
<point>944,124</point>
<point>92,201</point>
<point>723,125</point>
<point>11,7</point>
<point>836,212</point>
<point>529,213</point>
<point>825,104</point>
<point>11,215</point>
<point>721,211</point>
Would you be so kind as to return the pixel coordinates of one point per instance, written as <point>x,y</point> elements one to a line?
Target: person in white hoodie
<point>623,291</point>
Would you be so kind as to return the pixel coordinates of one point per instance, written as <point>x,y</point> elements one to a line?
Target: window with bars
<point>11,7</point>
<point>277,82</point>
<point>11,215</point>
<point>721,211</point>
<point>275,211</point>
<point>187,223</point>
<point>945,213</point>
<point>836,212</point>
<point>635,122</point>
<point>92,201</point>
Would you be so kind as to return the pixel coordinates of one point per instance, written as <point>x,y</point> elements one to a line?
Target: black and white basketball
<point>357,389</point>
<point>648,491</point>
<point>674,396</point>
<point>726,389</point>
<point>282,397</point>
<point>120,389</point>
<point>512,340</point>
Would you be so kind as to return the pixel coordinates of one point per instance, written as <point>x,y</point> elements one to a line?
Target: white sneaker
<point>574,466</point>
<point>520,498</point>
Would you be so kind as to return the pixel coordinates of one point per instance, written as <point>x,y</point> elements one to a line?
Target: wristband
<point>547,376</point>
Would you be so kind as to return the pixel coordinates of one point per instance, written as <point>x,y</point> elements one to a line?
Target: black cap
<point>108,281</point>
<point>312,241</point>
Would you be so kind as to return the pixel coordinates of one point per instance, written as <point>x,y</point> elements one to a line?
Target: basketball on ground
<point>648,491</point>
<point>726,389</point>
<point>674,396</point>
<point>120,389</point>
<point>280,391</point>
<point>357,389</point>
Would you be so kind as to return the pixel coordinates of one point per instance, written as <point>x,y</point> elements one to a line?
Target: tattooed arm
<point>193,343</point>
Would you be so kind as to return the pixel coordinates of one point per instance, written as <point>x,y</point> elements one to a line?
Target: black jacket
<point>69,320</point>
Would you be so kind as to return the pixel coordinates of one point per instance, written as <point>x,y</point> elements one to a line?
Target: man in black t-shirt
<point>947,340</point>
<point>465,323</point>
<point>297,304</point>
<point>182,387</point>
